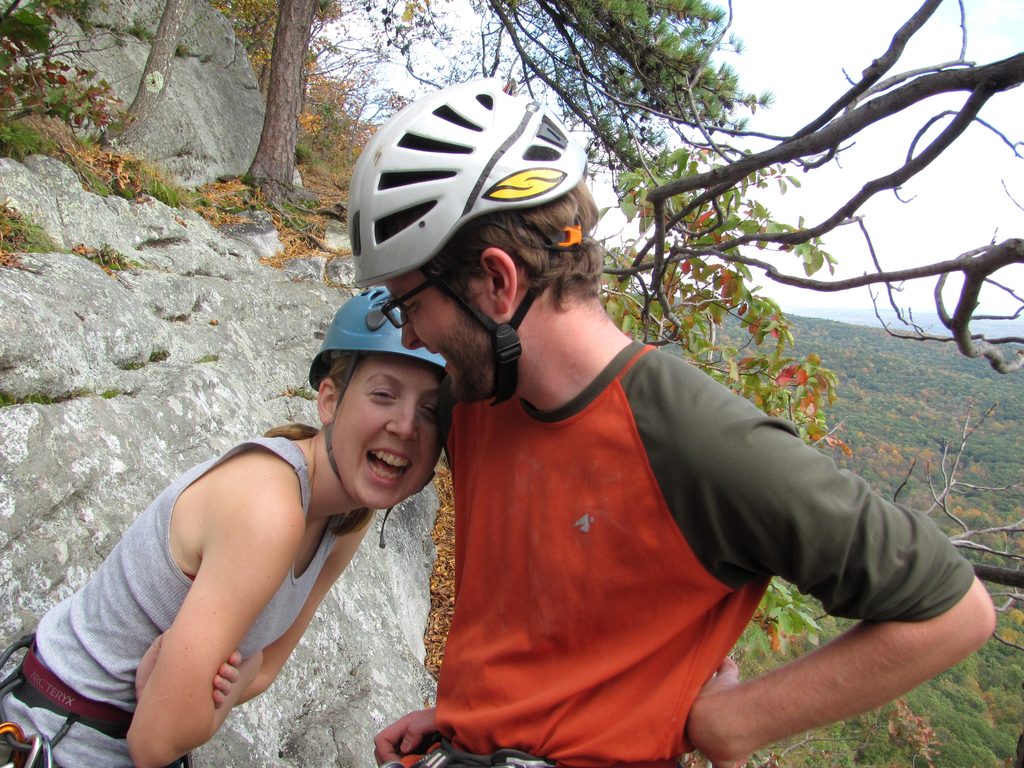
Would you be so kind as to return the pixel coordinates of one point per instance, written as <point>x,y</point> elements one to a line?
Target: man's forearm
<point>860,670</point>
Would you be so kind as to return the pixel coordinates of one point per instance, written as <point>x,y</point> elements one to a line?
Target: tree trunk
<point>157,74</point>
<point>264,81</point>
<point>274,164</point>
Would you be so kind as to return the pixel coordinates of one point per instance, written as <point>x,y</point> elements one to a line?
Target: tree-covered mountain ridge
<point>900,404</point>
<point>926,319</point>
<point>900,399</point>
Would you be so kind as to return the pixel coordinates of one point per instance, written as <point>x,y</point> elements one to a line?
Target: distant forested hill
<point>900,400</point>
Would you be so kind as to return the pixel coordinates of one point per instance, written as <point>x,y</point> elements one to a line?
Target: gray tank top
<point>93,640</point>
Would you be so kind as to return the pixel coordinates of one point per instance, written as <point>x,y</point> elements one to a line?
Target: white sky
<point>798,49</point>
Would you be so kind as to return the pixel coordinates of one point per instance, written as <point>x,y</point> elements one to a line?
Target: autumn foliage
<point>34,79</point>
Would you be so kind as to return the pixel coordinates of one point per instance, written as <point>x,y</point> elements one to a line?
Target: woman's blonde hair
<point>574,273</point>
<point>340,372</point>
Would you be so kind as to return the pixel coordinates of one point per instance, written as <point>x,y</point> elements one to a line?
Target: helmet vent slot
<point>543,154</point>
<point>353,235</point>
<point>447,113</point>
<point>387,227</point>
<point>548,131</point>
<point>423,144</point>
<point>485,101</point>
<point>408,178</point>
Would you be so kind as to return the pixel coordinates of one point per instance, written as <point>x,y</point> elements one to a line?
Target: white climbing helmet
<point>452,156</point>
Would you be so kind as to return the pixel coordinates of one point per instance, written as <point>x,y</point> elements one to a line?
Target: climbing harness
<point>34,751</point>
<point>35,685</point>
<point>25,752</point>
<point>446,756</point>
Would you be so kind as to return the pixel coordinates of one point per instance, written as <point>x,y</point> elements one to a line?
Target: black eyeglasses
<point>394,311</point>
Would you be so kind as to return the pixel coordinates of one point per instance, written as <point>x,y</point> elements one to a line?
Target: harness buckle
<point>436,759</point>
<point>513,758</point>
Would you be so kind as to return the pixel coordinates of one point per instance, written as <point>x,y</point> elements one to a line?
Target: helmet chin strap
<point>504,340</point>
<point>328,432</point>
<point>384,521</point>
<point>507,349</point>
<point>329,429</point>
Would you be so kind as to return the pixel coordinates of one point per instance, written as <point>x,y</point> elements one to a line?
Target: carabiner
<point>16,738</point>
<point>14,729</point>
<point>33,753</point>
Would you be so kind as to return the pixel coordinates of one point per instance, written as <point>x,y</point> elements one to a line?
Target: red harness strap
<point>44,689</point>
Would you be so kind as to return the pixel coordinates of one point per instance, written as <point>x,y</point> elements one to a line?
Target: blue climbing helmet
<point>360,327</point>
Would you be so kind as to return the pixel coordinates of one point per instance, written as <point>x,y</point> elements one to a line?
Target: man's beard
<point>467,350</point>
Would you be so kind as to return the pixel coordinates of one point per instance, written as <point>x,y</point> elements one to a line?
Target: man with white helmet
<point>618,513</point>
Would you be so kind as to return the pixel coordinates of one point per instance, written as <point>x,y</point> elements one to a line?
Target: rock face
<point>121,382</point>
<point>209,120</point>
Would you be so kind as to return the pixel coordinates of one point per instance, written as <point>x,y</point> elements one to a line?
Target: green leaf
<point>749,227</point>
<point>29,28</point>
<point>813,262</point>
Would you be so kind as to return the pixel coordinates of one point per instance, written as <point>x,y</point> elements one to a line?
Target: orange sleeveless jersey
<point>609,554</point>
<point>584,626</point>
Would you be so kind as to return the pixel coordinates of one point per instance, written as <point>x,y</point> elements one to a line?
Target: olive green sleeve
<point>752,500</point>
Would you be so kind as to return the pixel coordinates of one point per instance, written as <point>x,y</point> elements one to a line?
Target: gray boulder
<point>123,379</point>
<point>209,119</point>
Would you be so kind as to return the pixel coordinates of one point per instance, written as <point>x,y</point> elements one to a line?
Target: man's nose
<point>409,338</point>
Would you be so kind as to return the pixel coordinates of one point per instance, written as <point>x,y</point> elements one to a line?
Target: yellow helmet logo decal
<point>524,185</point>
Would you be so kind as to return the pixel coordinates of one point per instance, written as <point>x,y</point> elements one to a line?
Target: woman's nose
<point>403,423</point>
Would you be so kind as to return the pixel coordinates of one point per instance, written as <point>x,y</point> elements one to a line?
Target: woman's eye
<point>382,394</point>
<point>429,411</point>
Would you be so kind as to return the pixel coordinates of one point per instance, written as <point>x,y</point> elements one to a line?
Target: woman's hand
<point>226,676</point>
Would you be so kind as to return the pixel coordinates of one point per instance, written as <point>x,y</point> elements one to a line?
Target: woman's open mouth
<point>387,465</point>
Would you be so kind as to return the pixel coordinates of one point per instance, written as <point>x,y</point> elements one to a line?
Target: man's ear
<point>500,284</point>
<point>327,400</point>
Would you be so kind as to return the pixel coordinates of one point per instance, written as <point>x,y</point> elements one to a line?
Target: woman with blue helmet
<point>201,602</point>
